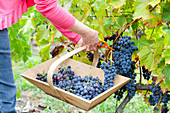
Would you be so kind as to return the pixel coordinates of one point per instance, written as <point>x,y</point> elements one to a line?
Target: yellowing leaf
<point>166,72</point>
<point>83,58</point>
<point>166,55</point>
<point>167,40</point>
<point>44,52</point>
<point>150,62</point>
<point>86,14</point>
<point>142,8</point>
<point>42,32</point>
<point>147,58</point>
<point>116,3</point>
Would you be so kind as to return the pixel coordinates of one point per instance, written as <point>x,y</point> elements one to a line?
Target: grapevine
<point>147,22</point>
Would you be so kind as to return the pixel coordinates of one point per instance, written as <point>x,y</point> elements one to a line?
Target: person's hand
<point>89,36</point>
<point>91,41</point>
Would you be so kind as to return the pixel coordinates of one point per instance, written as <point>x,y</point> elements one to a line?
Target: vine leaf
<point>158,47</point>
<point>121,20</point>
<point>83,58</point>
<point>155,33</point>
<point>154,22</point>
<point>166,73</point>
<point>42,32</point>
<point>86,14</point>
<point>116,3</point>
<point>167,40</point>
<point>147,58</point>
<point>44,52</point>
<point>166,55</point>
<point>166,12</point>
<point>27,24</point>
<point>101,11</point>
<point>142,9</point>
<point>141,43</point>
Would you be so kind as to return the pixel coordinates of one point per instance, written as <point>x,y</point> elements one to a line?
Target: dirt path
<point>29,103</point>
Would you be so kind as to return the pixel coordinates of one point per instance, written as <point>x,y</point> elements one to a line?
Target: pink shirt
<point>11,10</point>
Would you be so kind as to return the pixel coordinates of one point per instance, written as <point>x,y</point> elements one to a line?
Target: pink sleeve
<point>58,16</point>
<point>30,3</point>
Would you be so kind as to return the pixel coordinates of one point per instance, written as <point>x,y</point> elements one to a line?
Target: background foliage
<point>147,21</point>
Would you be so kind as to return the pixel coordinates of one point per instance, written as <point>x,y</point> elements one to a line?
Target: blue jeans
<point>7,83</point>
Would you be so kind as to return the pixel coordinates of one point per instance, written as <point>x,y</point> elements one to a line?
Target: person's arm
<point>70,35</point>
<point>60,18</point>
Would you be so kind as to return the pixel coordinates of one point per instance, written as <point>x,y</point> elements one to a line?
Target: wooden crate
<point>51,66</point>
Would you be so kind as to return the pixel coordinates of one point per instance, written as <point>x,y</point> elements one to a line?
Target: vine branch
<point>127,98</point>
<point>93,11</point>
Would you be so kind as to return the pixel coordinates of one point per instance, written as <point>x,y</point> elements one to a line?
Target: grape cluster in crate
<point>87,87</point>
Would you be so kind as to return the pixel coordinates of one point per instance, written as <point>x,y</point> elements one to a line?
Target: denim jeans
<point>7,83</point>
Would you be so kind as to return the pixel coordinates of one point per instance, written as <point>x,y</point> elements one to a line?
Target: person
<point>69,26</point>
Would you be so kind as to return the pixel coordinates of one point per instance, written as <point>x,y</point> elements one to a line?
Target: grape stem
<point>127,98</point>
<point>136,20</point>
<point>114,18</point>
<point>140,73</point>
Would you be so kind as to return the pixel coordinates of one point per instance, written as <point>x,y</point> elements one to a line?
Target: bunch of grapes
<point>113,37</point>
<point>158,97</point>
<point>146,73</point>
<point>122,56</point>
<point>165,99</point>
<point>110,72</point>
<point>165,108</point>
<point>87,87</point>
<point>42,76</point>
<point>156,94</point>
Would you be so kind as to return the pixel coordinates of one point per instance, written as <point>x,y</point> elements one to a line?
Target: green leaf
<point>121,20</point>
<point>134,25</point>
<point>147,58</point>
<point>166,55</point>
<point>144,52</point>
<point>42,32</point>
<point>18,95</point>
<point>142,8</point>
<point>83,58</point>
<point>141,43</point>
<point>101,12</point>
<point>108,22</point>
<point>87,12</point>
<point>116,3</point>
<point>166,12</point>
<point>44,52</point>
<point>154,21</point>
<point>44,42</point>
<point>167,40</point>
<point>158,47</point>
<point>151,62</point>
<point>13,31</point>
<point>27,26</point>
<point>109,43</point>
<point>154,33</point>
<point>166,72</point>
